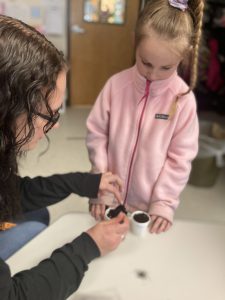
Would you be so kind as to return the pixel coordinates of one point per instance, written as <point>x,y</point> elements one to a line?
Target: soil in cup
<point>141,218</point>
<point>114,212</point>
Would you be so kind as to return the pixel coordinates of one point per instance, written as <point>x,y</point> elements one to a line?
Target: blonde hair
<point>184,28</point>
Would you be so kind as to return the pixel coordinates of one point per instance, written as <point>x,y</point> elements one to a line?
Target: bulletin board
<point>45,15</point>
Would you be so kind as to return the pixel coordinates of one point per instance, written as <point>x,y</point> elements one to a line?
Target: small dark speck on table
<point>142,274</point>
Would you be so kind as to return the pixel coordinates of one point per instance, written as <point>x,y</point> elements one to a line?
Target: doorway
<point>100,45</point>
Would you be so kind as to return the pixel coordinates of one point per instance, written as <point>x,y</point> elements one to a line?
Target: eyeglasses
<point>52,120</point>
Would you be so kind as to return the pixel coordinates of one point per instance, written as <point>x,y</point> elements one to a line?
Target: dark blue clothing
<point>57,277</point>
<point>28,226</point>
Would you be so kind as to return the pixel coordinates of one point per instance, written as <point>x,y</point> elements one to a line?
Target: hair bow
<point>181,4</point>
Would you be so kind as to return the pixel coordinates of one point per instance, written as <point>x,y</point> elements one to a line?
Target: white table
<point>186,263</point>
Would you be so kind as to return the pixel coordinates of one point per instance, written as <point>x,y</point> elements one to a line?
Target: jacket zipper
<point>145,97</point>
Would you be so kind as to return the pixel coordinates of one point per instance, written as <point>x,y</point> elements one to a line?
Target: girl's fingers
<point>95,211</point>
<point>92,210</point>
<point>153,217</point>
<point>102,213</point>
<point>162,226</point>
<point>159,224</point>
<point>168,226</point>
<point>155,225</point>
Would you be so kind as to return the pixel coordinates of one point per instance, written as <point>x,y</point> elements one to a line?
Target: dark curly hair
<point>29,67</point>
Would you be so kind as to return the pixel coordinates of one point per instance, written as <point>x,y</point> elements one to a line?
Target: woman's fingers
<point>115,179</point>
<point>111,183</point>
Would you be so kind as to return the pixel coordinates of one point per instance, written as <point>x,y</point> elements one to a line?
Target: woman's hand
<point>109,234</point>
<point>159,224</point>
<point>111,183</point>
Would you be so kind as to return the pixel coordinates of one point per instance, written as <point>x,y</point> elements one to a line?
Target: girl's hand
<point>97,211</point>
<point>159,224</point>
<point>111,183</point>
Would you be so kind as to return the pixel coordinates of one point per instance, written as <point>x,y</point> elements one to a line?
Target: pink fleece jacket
<point>130,134</point>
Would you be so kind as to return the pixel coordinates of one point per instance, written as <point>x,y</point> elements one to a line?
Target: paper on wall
<point>51,2</point>
<point>54,20</point>
<point>2,8</point>
<point>17,10</point>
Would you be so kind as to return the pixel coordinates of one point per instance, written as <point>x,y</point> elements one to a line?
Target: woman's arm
<point>54,278</point>
<point>43,191</point>
<point>57,277</point>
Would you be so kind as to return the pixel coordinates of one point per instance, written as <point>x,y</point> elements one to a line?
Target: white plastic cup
<point>140,227</point>
<point>107,218</point>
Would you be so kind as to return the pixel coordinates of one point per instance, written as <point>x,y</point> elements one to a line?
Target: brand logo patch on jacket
<point>161,116</point>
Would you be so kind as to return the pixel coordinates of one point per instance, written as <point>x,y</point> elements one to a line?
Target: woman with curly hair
<point>33,82</point>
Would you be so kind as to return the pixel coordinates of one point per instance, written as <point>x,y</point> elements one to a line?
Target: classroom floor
<point>67,152</point>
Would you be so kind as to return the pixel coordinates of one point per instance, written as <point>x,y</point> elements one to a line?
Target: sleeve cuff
<point>92,182</point>
<point>162,211</point>
<point>87,247</point>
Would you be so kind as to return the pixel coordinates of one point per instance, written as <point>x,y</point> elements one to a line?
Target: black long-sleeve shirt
<point>60,275</point>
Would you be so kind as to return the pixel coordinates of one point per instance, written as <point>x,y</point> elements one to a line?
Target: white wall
<point>41,14</point>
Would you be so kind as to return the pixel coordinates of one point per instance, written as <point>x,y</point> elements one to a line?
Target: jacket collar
<point>156,87</point>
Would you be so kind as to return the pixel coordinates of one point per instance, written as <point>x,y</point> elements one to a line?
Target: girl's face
<point>55,103</point>
<point>156,58</point>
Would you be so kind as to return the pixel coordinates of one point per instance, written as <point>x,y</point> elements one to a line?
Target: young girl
<point>144,125</point>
